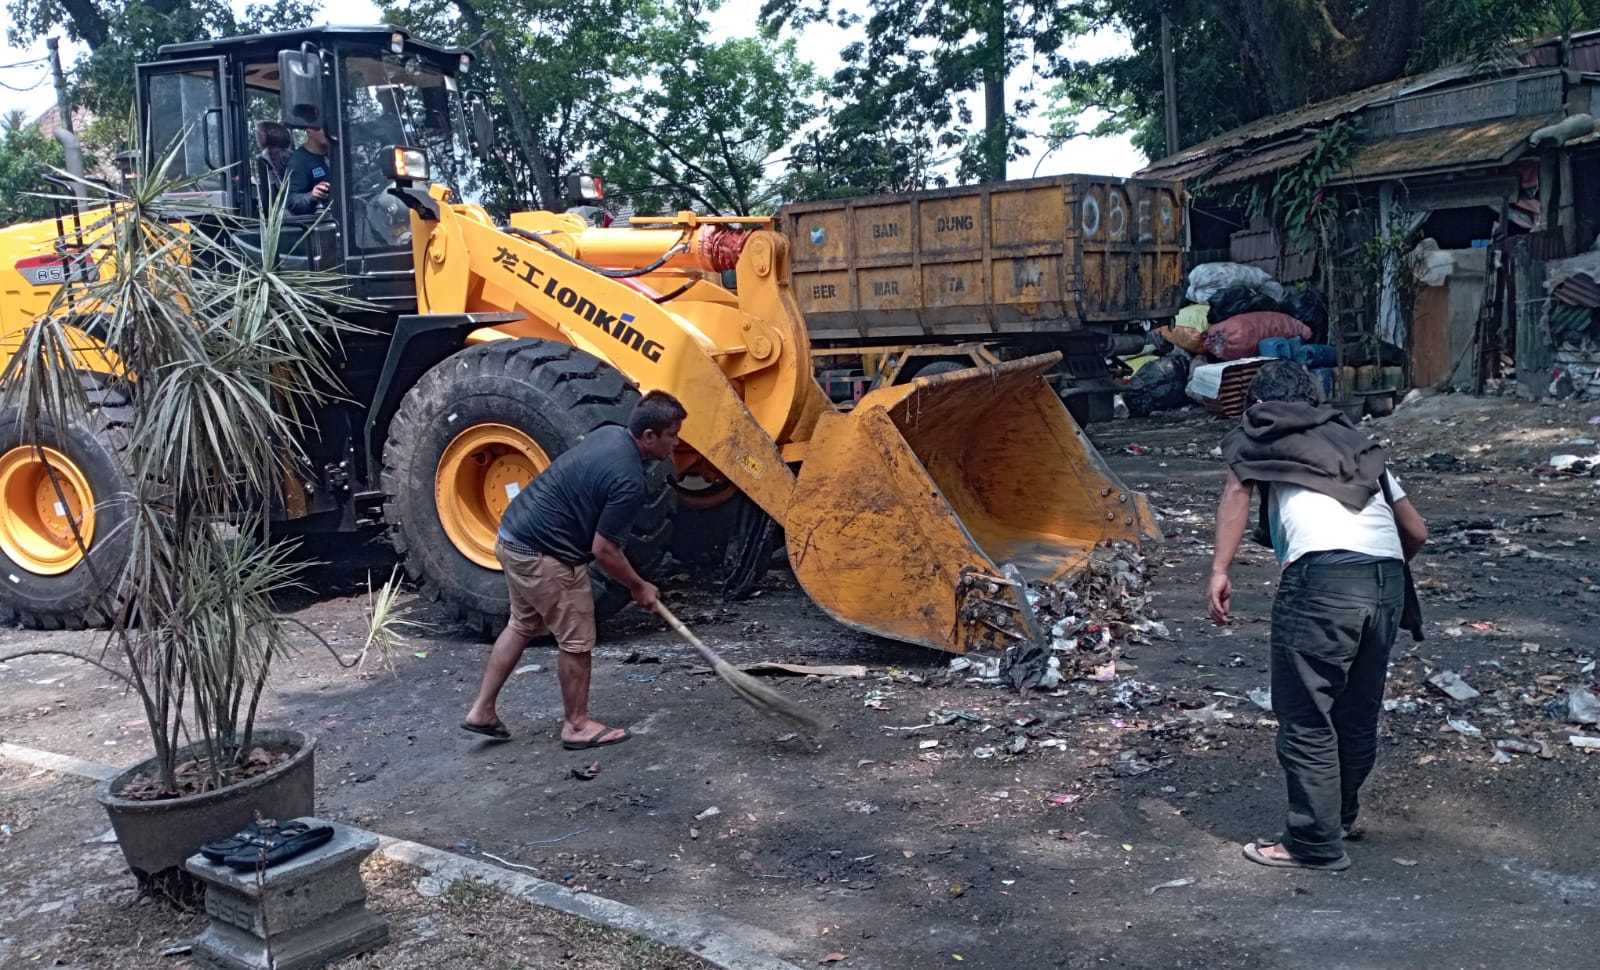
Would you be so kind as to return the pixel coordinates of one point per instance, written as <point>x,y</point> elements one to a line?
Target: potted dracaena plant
<point>180,415</point>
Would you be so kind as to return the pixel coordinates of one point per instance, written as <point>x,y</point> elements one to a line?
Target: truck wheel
<point>471,434</point>
<point>49,582</point>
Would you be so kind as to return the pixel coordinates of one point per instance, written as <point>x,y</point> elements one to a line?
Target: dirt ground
<point>1111,840</point>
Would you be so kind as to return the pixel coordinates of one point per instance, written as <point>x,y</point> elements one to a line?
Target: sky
<point>1098,156</point>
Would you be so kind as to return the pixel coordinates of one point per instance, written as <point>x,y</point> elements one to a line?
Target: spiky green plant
<point>221,356</point>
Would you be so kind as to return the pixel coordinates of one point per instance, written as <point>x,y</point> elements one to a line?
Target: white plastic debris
<point>1451,683</point>
<point>1464,727</point>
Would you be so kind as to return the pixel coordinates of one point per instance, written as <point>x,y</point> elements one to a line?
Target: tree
<point>699,132</point>
<point>1240,60</point>
<point>628,89</point>
<point>921,58</point>
<point>123,33</point>
<point>26,154</point>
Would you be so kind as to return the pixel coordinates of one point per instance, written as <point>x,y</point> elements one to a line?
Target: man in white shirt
<point>1342,544</point>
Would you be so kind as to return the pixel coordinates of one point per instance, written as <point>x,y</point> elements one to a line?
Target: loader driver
<point>581,508</point>
<point>308,175</point>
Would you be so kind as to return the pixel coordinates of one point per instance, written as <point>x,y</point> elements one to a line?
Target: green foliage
<point>1229,75</point>
<point>123,33</point>
<point>1305,206</point>
<point>699,133</point>
<point>631,90</point>
<point>909,85</point>
<point>25,156</point>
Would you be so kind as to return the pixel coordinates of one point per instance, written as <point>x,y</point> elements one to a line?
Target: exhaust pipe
<point>73,149</point>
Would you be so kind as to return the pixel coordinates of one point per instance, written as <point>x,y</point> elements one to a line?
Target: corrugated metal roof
<point>1464,146</point>
<point>1292,121</point>
<point>1578,290</point>
<point>1263,162</point>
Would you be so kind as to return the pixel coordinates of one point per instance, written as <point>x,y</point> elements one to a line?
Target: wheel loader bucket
<point>908,508</point>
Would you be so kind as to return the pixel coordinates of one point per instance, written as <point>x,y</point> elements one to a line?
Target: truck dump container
<point>1039,257</point>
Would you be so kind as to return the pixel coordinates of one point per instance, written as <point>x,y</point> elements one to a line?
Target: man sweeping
<point>1342,531</point>
<point>578,510</point>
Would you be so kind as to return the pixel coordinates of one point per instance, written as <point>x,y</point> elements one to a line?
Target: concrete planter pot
<point>157,836</point>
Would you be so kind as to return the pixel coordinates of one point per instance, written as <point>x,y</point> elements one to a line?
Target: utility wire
<point>35,85</point>
<point>7,67</point>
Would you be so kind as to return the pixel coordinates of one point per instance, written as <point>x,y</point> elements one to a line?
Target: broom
<point>759,696</point>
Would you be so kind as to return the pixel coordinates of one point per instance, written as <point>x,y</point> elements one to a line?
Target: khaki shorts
<point>548,596</point>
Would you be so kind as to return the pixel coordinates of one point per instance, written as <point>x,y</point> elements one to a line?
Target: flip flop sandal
<point>285,844</point>
<point>494,732</point>
<point>219,850</point>
<point>1252,851</point>
<point>593,740</point>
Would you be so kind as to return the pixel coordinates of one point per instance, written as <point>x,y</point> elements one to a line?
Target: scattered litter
<point>1262,698</point>
<point>711,812</point>
<point>108,837</point>
<point>559,838</point>
<point>861,808</point>
<point>1583,707</point>
<point>528,669</point>
<point>6,830</point>
<point>926,745</point>
<point>1408,863</point>
<point>1064,798</point>
<point>1131,765</point>
<point>1017,744</point>
<point>1210,714</point>
<point>1402,705</point>
<point>1464,727</point>
<point>641,678</point>
<point>588,773</point>
<point>507,862</point>
<point>983,753</point>
<point>1054,743</point>
<point>833,958</point>
<point>178,950</point>
<point>1516,746</point>
<point>1451,683</point>
<point>1581,742</point>
<point>421,655</point>
<point>1169,884</point>
<point>803,670</point>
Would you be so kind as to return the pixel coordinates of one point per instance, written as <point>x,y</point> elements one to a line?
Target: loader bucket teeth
<point>904,504</point>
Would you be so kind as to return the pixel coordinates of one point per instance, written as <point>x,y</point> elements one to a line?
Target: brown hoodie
<point>1315,447</point>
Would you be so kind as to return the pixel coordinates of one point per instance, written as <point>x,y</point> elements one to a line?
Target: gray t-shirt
<point>596,486</point>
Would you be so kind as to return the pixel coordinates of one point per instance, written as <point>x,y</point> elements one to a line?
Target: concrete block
<point>303,913</point>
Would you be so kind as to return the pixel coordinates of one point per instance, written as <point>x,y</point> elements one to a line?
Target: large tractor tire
<point>472,432</point>
<point>46,580</point>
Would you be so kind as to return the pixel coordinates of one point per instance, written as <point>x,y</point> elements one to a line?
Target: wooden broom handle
<point>686,633</point>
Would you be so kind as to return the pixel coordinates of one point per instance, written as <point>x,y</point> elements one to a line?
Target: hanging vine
<point>1306,208</point>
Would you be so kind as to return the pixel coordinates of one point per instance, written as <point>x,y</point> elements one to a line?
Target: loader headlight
<point>404,164</point>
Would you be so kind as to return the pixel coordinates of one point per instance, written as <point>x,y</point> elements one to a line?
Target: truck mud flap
<point>908,507</point>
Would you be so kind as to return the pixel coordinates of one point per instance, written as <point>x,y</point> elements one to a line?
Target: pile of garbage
<point>1079,625</point>
<point>1239,318</point>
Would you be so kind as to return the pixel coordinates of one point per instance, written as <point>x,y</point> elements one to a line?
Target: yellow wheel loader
<point>497,346</point>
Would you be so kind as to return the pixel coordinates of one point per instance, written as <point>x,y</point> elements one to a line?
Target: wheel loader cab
<point>367,88</point>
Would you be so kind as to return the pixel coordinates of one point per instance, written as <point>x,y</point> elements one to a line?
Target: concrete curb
<point>719,949</point>
<point>57,762</point>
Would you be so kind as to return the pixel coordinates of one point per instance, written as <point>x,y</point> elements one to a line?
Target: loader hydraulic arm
<point>743,376</point>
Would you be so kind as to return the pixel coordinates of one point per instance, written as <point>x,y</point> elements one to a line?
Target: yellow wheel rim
<point>35,520</point>
<point>479,474</point>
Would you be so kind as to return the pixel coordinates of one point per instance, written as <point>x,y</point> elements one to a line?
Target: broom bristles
<point>766,700</point>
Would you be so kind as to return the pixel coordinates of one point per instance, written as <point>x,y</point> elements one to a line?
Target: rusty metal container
<point>1035,257</point>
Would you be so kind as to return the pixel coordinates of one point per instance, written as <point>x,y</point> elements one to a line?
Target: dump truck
<point>493,347</point>
<point>894,286</point>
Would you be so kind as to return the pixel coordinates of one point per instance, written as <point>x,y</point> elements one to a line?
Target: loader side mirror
<point>300,80</point>
<point>583,187</point>
<point>482,124</point>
